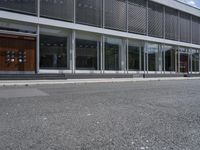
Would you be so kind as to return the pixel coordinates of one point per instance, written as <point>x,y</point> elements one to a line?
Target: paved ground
<point>153,115</point>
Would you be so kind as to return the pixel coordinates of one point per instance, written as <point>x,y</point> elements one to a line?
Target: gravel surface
<point>154,115</point>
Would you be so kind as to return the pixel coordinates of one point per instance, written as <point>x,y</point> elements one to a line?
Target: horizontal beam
<point>73,26</point>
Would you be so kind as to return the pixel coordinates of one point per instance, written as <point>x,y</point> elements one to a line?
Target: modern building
<point>98,37</point>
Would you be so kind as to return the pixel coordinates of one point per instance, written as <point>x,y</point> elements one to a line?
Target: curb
<point>81,81</point>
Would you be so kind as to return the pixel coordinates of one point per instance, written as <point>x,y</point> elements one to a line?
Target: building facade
<point>99,37</point>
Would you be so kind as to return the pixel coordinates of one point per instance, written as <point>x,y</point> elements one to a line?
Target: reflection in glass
<point>195,61</point>
<point>53,49</point>
<point>154,57</point>
<point>86,54</point>
<point>112,54</point>
<point>184,60</point>
<point>134,58</point>
<point>170,56</point>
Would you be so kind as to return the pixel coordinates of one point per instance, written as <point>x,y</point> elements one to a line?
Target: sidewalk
<point>78,81</point>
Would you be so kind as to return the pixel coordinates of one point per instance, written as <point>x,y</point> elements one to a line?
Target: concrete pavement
<point>156,115</point>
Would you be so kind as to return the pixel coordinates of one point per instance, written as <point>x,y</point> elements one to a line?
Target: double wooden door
<point>17,53</point>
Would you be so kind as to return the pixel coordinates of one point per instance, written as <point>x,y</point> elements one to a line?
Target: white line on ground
<point>74,81</point>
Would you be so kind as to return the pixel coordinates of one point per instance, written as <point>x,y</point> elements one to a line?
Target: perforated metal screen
<point>195,30</point>
<point>137,16</point>
<point>27,6</point>
<point>155,20</point>
<point>171,24</point>
<point>57,9</point>
<point>185,27</point>
<point>115,14</point>
<point>89,12</point>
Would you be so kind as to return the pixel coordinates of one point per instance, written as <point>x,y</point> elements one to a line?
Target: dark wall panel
<point>155,20</point>
<point>137,16</point>
<point>57,9</point>
<point>26,6</point>
<point>185,27</point>
<point>171,24</point>
<point>89,12</point>
<point>115,14</point>
<point>195,30</point>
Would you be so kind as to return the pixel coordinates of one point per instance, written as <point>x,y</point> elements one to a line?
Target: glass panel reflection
<point>134,58</point>
<point>154,57</point>
<point>184,60</point>
<point>170,56</point>
<point>112,54</point>
<point>53,49</point>
<point>195,61</point>
<point>86,54</point>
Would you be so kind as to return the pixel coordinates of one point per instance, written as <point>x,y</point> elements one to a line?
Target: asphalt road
<point>154,115</point>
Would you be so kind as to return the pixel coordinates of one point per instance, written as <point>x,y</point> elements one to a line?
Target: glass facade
<point>62,49</point>
<point>154,57</point>
<point>184,60</point>
<point>169,58</point>
<point>54,49</point>
<point>135,55</point>
<point>113,51</point>
<point>143,17</point>
<point>87,52</point>
<point>195,60</point>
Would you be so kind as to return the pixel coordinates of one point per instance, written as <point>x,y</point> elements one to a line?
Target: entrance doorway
<point>17,54</point>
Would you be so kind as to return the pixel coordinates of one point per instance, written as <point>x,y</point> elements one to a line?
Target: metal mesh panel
<point>171,24</point>
<point>195,30</point>
<point>137,16</point>
<point>27,6</point>
<point>89,12</point>
<point>115,14</point>
<point>155,20</point>
<point>185,27</point>
<point>57,9</point>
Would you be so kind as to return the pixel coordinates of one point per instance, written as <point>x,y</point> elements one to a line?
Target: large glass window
<point>87,52</point>
<point>169,58</point>
<point>57,9</point>
<point>24,6</point>
<point>135,56</point>
<point>154,57</point>
<point>113,50</point>
<point>195,60</point>
<point>89,12</point>
<point>54,49</point>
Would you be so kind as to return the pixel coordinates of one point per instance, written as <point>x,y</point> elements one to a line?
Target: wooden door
<point>17,53</point>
